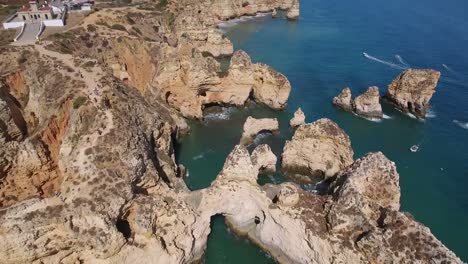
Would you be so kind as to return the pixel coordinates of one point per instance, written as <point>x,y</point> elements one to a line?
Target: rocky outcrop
<point>344,100</point>
<point>253,127</point>
<point>298,118</point>
<point>94,179</point>
<point>412,90</point>
<point>274,13</point>
<point>293,11</point>
<point>245,79</point>
<point>368,103</point>
<point>263,159</point>
<point>318,150</point>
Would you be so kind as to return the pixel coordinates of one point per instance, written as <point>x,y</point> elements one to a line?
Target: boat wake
<point>393,65</point>
<point>400,59</point>
<point>449,69</point>
<point>461,124</point>
<point>199,157</point>
<point>376,120</point>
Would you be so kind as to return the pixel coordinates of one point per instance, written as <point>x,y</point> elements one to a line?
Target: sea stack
<point>293,11</point>
<point>344,100</point>
<point>253,127</point>
<point>318,150</point>
<point>274,13</point>
<point>368,103</point>
<point>298,119</point>
<point>412,90</point>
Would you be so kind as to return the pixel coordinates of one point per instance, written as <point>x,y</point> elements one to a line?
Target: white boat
<point>414,148</point>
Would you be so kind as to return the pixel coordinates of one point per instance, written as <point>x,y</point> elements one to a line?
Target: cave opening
<point>124,227</point>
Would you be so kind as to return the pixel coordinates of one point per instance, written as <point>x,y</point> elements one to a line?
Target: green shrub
<point>163,3</point>
<point>119,27</point>
<point>79,101</point>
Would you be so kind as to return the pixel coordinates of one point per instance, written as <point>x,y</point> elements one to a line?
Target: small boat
<point>414,148</point>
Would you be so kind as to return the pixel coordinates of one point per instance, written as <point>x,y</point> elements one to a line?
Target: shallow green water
<point>321,54</point>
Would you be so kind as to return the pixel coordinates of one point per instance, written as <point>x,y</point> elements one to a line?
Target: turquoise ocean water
<point>321,54</point>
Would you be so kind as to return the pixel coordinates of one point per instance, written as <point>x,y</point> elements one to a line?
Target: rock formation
<point>263,159</point>
<point>253,127</point>
<point>90,175</point>
<point>412,90</point>
<point>344,100</point>
<point>368,103</point>
<point>298,119</point>
<point>293,11</point>
<point>318,150</point>
<point>274,13</point>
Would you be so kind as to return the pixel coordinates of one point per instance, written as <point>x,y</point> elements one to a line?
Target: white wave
<point>237,21</point>
<point>387,116</point>
<point>393,65</point>
<point>224,114</point>
<point>400,59</point>
<point>372,119</point>
<point>260,137</point>
<point>431,114</point>
<point>411,115</point>
<point>461,124</point>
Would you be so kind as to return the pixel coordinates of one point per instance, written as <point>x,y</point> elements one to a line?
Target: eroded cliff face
<point>90,175</point>
<point>172,67</point>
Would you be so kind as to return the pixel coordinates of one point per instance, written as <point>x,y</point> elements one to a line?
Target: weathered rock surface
<point>263,159</point>
<point>94,179</point>
<point>253,127</point>
<point>344,100</point>
<point>274,13</point>
<point>412,90</point>
<point>317,150</point>
<point>368,103</point>
<point>293,11</point>
<point>298,119</point>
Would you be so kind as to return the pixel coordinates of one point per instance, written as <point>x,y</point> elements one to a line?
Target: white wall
<point>53,23</point>
<point>8,25</point>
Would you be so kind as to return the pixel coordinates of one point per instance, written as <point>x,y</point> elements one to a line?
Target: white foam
<point>237,21</point>
<point>393,65</point>
<point>411,115</point>
<point>260,137</point>
<point>372,119</point>
<point>461,124</point>
<point>431,114</point>
<point>400,59</point>
<point>224,114</point>
<point>387,116</point>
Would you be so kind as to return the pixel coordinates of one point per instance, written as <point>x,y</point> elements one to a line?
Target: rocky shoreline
<point>87,160</point>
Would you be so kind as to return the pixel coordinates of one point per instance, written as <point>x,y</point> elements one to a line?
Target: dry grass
<point>7,36</point>
<point>73,19</point>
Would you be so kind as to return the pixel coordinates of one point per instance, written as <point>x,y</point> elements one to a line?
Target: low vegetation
<point>7,36</point>
<point>119,27</point>
<point>79,101</point>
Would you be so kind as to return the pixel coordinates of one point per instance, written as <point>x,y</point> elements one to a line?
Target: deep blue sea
<point>321,54</point>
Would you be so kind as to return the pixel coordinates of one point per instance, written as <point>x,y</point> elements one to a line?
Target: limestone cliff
<point>87,160</point>
<point>412,90</point>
